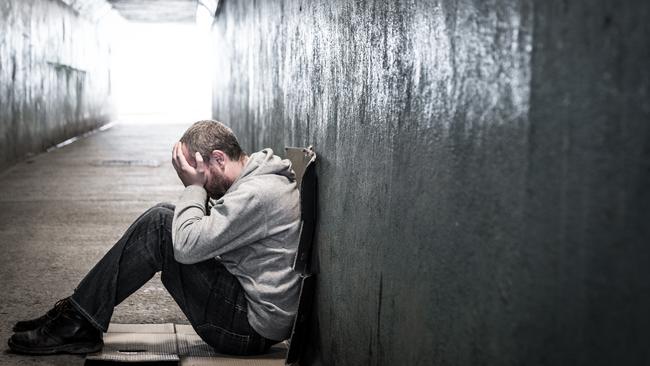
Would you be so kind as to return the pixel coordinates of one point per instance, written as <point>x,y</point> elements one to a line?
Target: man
<point>225,252</point>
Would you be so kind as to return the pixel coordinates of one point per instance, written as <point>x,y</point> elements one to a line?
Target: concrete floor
<point>61,211</point>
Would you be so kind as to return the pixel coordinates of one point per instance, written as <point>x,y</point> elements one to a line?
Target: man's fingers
<point>173,155</point>
<point>175,159</point>
<point>182,162</point>
<point>199,161</point>
<point>179,155</point>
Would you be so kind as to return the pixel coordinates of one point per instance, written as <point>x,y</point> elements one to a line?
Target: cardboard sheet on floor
<point>170,344</point>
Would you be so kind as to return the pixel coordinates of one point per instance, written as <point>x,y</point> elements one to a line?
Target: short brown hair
<point>208,135</point>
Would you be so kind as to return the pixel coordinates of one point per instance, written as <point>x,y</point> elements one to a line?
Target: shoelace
<point>59,307</point>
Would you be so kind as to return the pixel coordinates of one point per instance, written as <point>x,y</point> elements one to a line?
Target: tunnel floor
<point>61,211</point>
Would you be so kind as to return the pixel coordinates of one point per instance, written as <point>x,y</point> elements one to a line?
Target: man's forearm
<point>190,209</point>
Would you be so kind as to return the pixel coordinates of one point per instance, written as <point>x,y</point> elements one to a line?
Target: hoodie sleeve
<point>237,219</point>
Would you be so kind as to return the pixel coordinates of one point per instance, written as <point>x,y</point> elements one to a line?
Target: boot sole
<point>71,348</point>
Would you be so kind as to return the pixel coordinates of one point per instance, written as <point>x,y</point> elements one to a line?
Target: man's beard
<point>216,187</point>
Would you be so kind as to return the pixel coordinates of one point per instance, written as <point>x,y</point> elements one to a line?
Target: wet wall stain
<point>53,84</point>
<point>483,176</point>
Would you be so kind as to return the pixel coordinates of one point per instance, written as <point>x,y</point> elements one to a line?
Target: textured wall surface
<point>484,171</point>
<point>54,76</point>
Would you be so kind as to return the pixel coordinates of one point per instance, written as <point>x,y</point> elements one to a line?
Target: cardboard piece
<point>170,344</point>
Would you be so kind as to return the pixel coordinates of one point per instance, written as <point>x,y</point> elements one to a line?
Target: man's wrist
<point>196,185</point>
<point>194,193</point>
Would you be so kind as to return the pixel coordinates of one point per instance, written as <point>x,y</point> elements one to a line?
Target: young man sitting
<point>225,252</point>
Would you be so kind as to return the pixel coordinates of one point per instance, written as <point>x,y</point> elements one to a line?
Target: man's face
<point>216,183</point>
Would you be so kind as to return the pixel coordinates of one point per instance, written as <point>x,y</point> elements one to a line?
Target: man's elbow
<point>182,254</point>
<point>183,257</point>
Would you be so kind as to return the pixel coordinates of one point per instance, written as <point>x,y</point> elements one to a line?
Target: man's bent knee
<point>158,215</point>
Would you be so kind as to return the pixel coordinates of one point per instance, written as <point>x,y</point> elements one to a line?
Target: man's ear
<point>218,157</point>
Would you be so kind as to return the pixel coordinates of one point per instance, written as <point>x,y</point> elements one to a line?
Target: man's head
<point>221,154</point>
<point>206,136</point>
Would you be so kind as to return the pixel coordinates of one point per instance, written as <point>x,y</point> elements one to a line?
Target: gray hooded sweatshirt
<point>254,231</point>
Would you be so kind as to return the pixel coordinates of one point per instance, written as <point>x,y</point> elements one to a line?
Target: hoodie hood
<point>265,162</point>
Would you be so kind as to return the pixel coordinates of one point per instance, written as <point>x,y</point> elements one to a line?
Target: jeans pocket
<point>223,340</point>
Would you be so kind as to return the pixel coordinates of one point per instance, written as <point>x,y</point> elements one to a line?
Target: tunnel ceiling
<point>158,11</point>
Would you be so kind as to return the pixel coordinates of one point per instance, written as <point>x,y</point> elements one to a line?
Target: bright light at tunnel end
<point>161,72</point>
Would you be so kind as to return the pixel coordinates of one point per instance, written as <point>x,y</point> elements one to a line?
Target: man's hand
<point>188,174</point>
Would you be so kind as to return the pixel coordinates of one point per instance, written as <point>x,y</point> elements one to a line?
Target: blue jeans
<point>211,297</point>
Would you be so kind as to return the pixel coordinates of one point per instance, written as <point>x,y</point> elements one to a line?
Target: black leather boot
<point>25,325</point>
<point>67,331</point>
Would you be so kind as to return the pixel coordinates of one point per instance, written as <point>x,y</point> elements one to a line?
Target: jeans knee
<point>158,219</point>
<point>159,215</point>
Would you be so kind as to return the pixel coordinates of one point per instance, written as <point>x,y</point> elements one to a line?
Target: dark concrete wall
<point>54,76</point>
<point>484,171</point>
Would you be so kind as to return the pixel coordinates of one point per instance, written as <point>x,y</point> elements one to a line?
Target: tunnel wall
<point>483,171</point>
<point>54,76</point>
